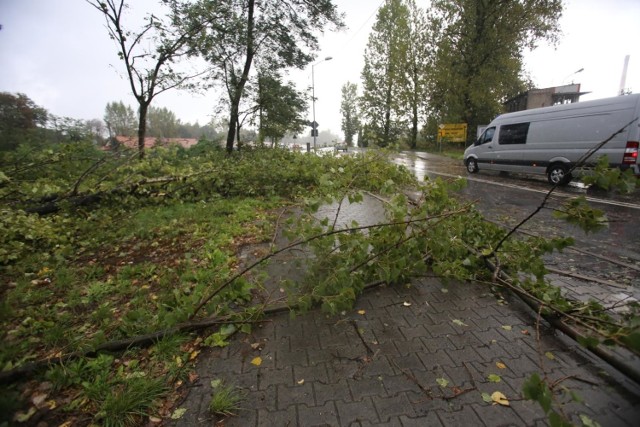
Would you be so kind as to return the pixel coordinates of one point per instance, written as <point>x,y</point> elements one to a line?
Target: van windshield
<point>487,136</point>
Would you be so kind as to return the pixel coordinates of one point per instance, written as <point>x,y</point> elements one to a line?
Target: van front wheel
<point>557,174</point>
<point>472,165</point>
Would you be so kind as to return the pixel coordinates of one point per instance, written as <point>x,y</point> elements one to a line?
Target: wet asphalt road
<point>608,260</point>
<point>510,198</point>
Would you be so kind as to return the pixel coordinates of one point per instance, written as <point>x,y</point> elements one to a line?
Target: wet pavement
<point>413,356</point>
<point>422,355</point>
<point>509,199</point>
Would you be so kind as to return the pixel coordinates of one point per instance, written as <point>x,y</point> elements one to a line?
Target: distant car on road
<point>342,147</point>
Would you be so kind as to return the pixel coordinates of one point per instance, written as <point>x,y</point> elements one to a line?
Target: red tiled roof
<point>151,141</point>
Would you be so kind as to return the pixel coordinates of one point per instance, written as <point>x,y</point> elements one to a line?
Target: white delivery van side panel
<point>571,137</point>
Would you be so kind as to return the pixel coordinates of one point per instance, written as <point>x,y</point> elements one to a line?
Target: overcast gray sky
<point>58,53</point>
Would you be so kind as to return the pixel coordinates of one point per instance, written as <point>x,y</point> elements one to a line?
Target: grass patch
<point>226,400</point>
<point>139,262</point>
<point>130,402</point>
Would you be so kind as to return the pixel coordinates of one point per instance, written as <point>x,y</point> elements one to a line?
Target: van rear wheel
<point>472,165</point>
<point>557,174</point>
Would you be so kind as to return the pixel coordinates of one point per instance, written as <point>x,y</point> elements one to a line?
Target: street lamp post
<point>572,74</point>
<point>314,130</point>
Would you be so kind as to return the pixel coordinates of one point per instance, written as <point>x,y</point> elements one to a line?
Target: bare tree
<point>149,69</point>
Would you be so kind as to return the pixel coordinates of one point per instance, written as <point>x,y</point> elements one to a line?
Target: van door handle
<point>490,146</point>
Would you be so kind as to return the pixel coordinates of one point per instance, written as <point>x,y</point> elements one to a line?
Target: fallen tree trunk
<point>54,205</point>
<point>629,369</point>
<point>140,341</point>
<point>51,203</point>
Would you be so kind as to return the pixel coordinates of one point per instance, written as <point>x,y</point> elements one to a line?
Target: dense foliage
<point>455,62</point>
<point>384,75</point>
<point>479,57</point>
<point>280,108</point>
<point>20,118</point>
<point>349,110</point>
<point>236,37</point>
<point>126,248</point>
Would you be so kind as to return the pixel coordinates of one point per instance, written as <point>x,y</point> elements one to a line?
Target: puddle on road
<point>368,212</point>
<point>414,164</point>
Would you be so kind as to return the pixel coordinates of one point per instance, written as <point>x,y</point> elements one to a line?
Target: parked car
<point>551,140</point>
<point>342,146</point>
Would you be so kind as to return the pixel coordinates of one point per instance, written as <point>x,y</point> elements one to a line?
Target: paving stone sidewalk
<point>381,364</point>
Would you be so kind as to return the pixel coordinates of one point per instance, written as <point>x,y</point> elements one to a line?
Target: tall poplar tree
<point>480,53</point>
<point>384,74</point>
<point>419,63</point>
<point>162,123</point>
<point>349,111</point>
<point>120,119</point>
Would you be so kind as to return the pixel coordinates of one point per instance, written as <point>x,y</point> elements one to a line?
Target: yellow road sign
<point>452,132</point>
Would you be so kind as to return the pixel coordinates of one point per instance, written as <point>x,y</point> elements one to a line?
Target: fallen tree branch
<point>583,277</point>
<point>573,248</point>
<point>51,203</point>
<point>110,347</point>
<point>293,245</point>
<point>143,341</point>
<point>581,161</point>
<point>629,369</point>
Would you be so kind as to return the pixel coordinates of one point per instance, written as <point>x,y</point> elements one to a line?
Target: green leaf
<point>537,390</point>
<point>442,382</point>
<point>487,397</point>
<point>588,342</point>
<point>575,397</point>
<point>578,212</point>
<point>494,378</point>
<point>588,422</point>
<point>459,322</point>
<point>487,252</point>
<point>556,420</point>
<point>178,413</point>
<point>22,417</point>
<point>633,341</point>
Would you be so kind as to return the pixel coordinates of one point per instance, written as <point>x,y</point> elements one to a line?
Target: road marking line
<point>558,193</point>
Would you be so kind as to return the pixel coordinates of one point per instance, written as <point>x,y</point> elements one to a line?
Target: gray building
<point>536,98</point>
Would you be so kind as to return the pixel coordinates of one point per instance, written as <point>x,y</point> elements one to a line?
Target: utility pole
<point>314,126</point>
<point>623,79</point>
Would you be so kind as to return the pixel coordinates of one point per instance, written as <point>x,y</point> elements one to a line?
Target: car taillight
<point>631,153</point>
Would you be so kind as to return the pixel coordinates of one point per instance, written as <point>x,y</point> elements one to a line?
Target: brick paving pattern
<point>379,364</point>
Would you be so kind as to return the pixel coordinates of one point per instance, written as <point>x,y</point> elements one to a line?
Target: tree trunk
<point>387,118</point>
<point>233,119</point>
<point>239,88</point>
<point>414,128</point>
<point>142,128</point>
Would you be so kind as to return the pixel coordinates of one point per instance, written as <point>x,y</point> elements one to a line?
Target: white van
<point>551,140</point>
